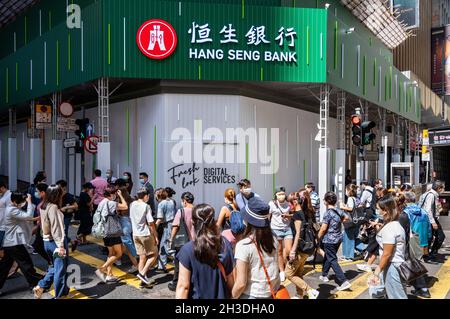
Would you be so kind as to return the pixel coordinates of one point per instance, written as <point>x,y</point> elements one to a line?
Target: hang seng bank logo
<point>156,39</point>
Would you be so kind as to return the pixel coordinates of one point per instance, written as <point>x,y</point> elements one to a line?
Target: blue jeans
<point>127,239</point>
<point>330,261</point>
<point>348,242</point>
<point>56,273</point>
<point>67,220</point>
<point>394,285</point>
<point>164,245</point>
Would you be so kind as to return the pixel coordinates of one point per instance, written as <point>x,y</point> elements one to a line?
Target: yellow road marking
<point>359,285</point>
<point>442,285</point>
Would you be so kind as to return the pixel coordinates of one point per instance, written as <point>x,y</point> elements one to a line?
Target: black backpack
<point>308,240</point>
<point>182,236</point>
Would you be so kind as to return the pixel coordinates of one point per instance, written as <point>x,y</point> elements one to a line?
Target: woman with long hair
<point>392,240</point>
<point>303,218</point>
<point>223,221</point>
<point>128,181</point>
<point>127,238</point>
<point>256,255</point>
<point>85,207</point>
<point>109,207</point>
<point>206,264</point>
<point>350,232</point>
<point>55,244</point>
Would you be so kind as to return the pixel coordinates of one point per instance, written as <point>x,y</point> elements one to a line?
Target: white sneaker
<point>101,275</point>
<point>296,297</point>
<point>282,276</point>
<point>364,267</point>
<point>345,285</point>
<point>313,294</point>
<point>112,279</point>
<point>324,279</point>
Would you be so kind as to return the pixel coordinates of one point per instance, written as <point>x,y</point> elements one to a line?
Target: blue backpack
<point>236,221</point>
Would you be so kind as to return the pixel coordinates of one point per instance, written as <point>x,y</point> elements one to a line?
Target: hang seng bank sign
<point>288,45</point>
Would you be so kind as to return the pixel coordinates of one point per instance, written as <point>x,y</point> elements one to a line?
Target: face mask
<point>108,175</point>
<point>281,198</point>
<point>37,195</point>
<point>125,177</point>
<point>247,190</point>
<point>142,181</point>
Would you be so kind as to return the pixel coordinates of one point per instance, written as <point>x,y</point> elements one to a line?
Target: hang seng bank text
<point>242,55</point>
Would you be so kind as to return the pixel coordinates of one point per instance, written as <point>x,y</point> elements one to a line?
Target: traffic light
<point>366,132</point>
<point>356,130</point>
<point>82,125</point>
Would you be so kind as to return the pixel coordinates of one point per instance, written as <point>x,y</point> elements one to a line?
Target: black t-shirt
<point>68,200</point>
<point>83,203</point>
<point>298,215</point>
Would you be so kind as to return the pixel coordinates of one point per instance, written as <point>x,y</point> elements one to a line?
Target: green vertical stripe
<point>400,94</point>
<point>364,75</point>
<point>17,76</point>
<point>243,9</point>
<point>154,156</point>
<point>335,44</point>
<point>69,53</point>
<point>109,43</point>
<point>199,72</point>
<point>94,161</point>
<point>57,63</point>
<point>385,87</point>
<point>128,136</point>
<point>370,41</point>
<point>374,71</point>
<point>246,161</point>
<point>390,82</point>
<point>262,74</point>
<point>307,45</point>
<point>317,6</point>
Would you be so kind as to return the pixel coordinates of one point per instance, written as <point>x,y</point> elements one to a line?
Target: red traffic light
<point>356,120</point>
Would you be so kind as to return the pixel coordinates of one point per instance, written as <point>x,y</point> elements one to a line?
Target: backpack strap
<point>222,270</point>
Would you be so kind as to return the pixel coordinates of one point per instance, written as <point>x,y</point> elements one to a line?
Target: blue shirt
<point>166,210</point>
<point>332,218</point>
<point>207,282</point>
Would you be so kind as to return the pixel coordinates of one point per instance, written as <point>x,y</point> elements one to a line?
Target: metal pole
<point>324,169</point>
<point>83,164</point>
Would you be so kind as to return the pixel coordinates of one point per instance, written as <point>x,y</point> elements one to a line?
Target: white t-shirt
<point>394,234</point>
<point>5,201</point>
<point>141,216</point>
<point>257,285</point>
<point>277,221</point>
<point>351,202</point>
<point>111,209</point>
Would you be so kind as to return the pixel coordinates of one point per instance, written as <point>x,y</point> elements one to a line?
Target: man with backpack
<point>430,203</point>
<point>181,225</point>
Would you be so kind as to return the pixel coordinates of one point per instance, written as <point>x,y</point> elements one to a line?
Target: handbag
<point>282,292</point>
<point>112,224</point>
<point>182,236</point>
<point>411,268</point>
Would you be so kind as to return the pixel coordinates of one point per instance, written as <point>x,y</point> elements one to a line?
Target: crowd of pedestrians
<point>246,250</point>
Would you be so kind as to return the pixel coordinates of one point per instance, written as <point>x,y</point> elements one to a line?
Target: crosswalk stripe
<point>359,285</point>
<point>441,287</point>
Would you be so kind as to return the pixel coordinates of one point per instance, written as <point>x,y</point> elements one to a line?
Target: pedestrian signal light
<point>356,130</point>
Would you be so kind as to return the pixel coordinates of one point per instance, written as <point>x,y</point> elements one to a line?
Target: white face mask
<point>247,190</point>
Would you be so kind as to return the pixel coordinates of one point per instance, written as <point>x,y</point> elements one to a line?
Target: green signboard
<point>215,42</point>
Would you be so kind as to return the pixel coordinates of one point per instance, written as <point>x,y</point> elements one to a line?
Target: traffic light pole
<point>382,162</point>
<point>57,144</point>
<point>340,151</point>
<point>83,164</point>
<point>324,181</point>
<point>358,158</point>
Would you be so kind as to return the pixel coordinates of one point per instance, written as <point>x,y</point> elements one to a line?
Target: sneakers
<point>132,270</point>
<point>101,275</point>
<point>282,276</point>
<point>421,293</point>
<point>118,262</point>
<point>111,279</point>
<point>313,294</point>
<point>345,285</point>
<point>143,278</point>
<point>297,297</point>
<point>364,267</point>
<point>324,278</point>
<point>38,291</point>
<point>172,286</point>
<point>345,259</point>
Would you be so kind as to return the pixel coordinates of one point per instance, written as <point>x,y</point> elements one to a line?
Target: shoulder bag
<point>182,236</point>
<point>112,224</point>
<point>411,268</point>
<point>282,292</point>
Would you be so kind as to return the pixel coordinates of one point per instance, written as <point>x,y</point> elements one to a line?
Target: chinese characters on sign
<point>255,36</point>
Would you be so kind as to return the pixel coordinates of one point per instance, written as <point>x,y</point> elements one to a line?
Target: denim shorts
<point>282,234</point>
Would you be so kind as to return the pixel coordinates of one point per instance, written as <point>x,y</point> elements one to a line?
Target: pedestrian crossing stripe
<point>359,286</point>
<point>441,287</point>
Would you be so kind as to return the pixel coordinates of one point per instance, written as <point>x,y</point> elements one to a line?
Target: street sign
<point>90,129</point>
<point>426,137</point>
<point>371,156</point>
<point>66,109</point>
<point>66,124</point>
<point>43,117</point>
<point>43,126</point>
<point>426,157</point>
<point>70,142</point>
<point>90,144</point>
